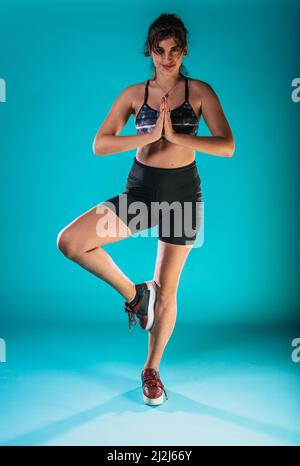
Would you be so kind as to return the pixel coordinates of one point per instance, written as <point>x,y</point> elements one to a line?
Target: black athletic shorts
<point>168,197</point>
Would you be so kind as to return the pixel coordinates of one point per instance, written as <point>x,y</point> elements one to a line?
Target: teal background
<point>68,348</point>
<point>64,64</point>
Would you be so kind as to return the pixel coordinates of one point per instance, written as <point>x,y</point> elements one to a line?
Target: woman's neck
<point>167,82</point>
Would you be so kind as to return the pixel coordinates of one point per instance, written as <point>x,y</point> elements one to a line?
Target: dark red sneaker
<point>153,388</point>
<point>144,307</point>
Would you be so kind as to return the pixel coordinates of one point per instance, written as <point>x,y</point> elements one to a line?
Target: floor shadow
<point>130,402</point>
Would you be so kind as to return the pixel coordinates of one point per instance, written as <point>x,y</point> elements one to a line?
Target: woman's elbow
<point>230,148</point>
<point>97,147</point>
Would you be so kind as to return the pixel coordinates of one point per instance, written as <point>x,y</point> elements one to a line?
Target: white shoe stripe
<point>153,401</point>
<point>151,285</point>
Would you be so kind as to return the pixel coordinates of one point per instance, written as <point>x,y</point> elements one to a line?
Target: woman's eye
<point>175,50</point>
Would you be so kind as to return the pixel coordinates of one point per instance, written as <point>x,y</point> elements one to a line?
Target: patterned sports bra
<point>184,119</point>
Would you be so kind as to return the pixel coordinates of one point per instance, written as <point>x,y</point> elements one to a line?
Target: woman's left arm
<point>221,142</point>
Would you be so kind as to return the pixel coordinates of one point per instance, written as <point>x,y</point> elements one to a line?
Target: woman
<point>163,172</point>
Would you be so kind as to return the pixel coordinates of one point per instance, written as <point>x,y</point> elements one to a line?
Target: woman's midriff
<point>164,154</point>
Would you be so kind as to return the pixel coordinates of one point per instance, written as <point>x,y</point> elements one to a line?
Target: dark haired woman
<point>167,110</point>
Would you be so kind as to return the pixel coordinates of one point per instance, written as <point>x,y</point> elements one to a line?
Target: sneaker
<point>143,307</point>
<point>153,388</point>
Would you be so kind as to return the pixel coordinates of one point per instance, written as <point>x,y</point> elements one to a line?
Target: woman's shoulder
<point>135,93</point>
<point>136,86</point>
<point>131,95</point>
<point>198,83</point>
<point>135,90</point>
<point>202,89</point>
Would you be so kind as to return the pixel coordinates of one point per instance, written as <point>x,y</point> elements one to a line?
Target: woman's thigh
<point>96,227</point>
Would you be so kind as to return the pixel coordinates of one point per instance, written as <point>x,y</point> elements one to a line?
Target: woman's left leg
<point>169,264</point>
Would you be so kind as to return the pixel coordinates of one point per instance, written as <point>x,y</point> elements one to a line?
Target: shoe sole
<point>153,401</point>
<point>151,285</point>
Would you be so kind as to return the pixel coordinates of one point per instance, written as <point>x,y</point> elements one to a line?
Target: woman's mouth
<point>168,67</point>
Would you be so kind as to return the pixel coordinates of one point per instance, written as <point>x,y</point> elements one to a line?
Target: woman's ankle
<point>131,294</point>
<point>150,366</point>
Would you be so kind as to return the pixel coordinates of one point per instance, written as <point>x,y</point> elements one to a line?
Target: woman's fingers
<point>162,107</point>
<point>166,105</point>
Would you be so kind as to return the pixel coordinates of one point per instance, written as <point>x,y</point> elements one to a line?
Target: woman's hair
<point>165,26</point>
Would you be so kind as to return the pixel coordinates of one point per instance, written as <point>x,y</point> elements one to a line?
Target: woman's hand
<point>156,133</point>
<point>168,127</point>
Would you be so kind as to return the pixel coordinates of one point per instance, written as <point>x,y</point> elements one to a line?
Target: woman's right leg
<point>82,241</point>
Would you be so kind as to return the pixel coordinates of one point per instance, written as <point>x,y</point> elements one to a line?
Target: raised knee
<point>66,243</point>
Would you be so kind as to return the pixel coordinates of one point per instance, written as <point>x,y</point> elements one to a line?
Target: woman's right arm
<point>107,144</point>
<point>107,140</point>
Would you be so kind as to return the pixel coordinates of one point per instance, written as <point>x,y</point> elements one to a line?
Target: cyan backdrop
<point>64,63</point>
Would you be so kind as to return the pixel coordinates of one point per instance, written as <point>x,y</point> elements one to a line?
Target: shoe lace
<point>155,381</point>
<point>131,315</point>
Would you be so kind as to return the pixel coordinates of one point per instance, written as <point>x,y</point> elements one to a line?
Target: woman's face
<point>168,53</point>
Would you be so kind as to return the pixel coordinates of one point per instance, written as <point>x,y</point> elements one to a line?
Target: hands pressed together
<point>164,122</point>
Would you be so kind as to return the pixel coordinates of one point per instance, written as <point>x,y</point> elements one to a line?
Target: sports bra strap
<point>146,92</point>
<point>186,89</point>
